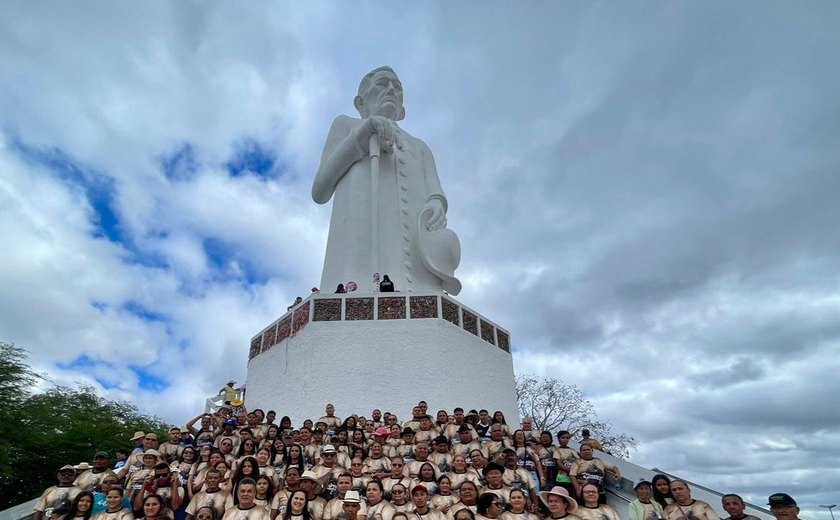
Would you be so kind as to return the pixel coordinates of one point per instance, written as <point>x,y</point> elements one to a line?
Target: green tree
<point>554,405</point>
<point>42,431</point>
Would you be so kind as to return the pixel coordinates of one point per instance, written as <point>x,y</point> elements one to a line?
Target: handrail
<point>23,511</point>
<point>618,495</point>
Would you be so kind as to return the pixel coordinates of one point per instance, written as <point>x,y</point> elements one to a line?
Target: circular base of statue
<point>380,350</point>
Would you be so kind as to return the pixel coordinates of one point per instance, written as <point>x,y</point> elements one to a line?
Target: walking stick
<point>374,189</point>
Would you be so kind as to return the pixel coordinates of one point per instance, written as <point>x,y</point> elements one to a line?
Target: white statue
<point>389,211</point>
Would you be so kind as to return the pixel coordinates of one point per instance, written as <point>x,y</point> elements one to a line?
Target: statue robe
<point>407,180</point>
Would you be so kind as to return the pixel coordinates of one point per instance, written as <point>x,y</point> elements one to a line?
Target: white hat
<point>352,497</point>
<point>560,492</point>
<point>440,251</point>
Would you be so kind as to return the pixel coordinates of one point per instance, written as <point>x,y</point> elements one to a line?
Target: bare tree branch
<point>554,405</point>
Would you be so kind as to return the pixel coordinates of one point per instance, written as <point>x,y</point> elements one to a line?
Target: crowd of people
<point>238,465</point>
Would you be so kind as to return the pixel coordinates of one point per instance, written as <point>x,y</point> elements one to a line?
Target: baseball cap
<point>780,499</point>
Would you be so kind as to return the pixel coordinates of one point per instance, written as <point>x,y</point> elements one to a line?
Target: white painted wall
<point>385,364</point>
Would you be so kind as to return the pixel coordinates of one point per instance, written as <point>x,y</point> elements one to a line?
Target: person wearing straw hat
<point>334,508</point>
<point>312,485</point>
<point>351,506</point>
<point>559,504</point>
<point>389,209</point>
<point>228,391</point>
<point>56,500</point>
<point>135,480</point>
<point>135,461</point>
<point>137,439</point>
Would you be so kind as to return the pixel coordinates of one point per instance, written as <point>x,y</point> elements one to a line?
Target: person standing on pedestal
<point>406,199</point>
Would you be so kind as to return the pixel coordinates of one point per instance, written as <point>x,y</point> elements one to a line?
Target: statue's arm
<point>341,151</point>
<point>430,177</point>
<point>436,205</point>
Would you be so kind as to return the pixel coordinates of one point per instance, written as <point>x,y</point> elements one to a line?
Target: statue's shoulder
<point>345,122</point>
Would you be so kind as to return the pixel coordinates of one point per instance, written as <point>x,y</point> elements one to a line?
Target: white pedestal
<point>384,350</point>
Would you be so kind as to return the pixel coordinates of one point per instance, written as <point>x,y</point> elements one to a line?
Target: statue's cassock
<point>415,258</point>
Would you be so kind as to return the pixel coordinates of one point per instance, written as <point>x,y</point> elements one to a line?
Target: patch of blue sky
<point>80,363</point>
<point>97,186</point>
<point>251,157</point>
<point>180,165</point>
<point>100,191</point>
<point>146,380</point>
<point>86,365</point>
<point>137,309</point>
<point>222,255</point>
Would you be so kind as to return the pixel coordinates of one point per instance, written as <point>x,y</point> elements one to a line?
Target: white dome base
<point>361,364</point>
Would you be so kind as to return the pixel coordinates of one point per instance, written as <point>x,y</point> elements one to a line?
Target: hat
<point>312,477</point>
<point>82,466</point>
<point>509,450</point>
<point>642,482</point>
<point>382,431</point>
<point>100,455</point>
<point>441,439</point>
<point>156,453</point>
<point>561,492</point>
<point>328,448</point>
<point>407,431</point>
<point>138,435</point>
<point>352,497</point>
<point>67,467</point>
<point>419,487</point>
<point>464,428</point>
<point>440,252</point>
<point>231,422</point>
<point>780,499</point>
<point>232,382</point>
<point>492,466</point>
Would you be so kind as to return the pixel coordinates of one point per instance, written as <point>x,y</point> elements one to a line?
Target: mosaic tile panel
<point>328,309</point>
<point>423,307</point>
<point>256,343</point>
<point>284,330</point>
<point>470,322</point>
<point>301,318</point>
<point>450,311</point>
<point>487,332</point>
<point>391,308</point>
<point>269,337</point>
<point>358,309</point>
<point>504,340</point>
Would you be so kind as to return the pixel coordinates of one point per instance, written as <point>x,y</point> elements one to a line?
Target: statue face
<point>384,96</point>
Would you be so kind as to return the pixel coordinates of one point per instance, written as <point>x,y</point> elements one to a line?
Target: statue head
<point>380,94</point>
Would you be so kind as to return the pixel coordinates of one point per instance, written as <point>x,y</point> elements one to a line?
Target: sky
<point>643,193</point>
